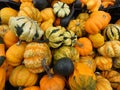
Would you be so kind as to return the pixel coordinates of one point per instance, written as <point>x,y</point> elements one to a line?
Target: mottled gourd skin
<point>83,78</point>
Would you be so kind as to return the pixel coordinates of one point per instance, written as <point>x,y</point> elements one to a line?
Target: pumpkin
<point>84,46</point>
<point>116,62</point>
<point>64,67</point>
<point>68,1</point>
<point>25,1</point>
<point>103,63</point>
<point>16,77</point>
<point>3,29</point>
<point>97,21</point>
<point>31,12</point>
<point>118,87</point>
<point>102,83</point>
<point>2,51</point>
<point>10,38</point>
<point>89,61</point>
<point>46,24</point>
<point>107,3</point>
<point>25,28</point>
<point>92,5</point>
<point>61,9</point>
<point>2,78</point>
<point>110,49</point>
<point>25,4</point>
<point>14,54</point>
<point>66,51</point>
<point>69,38</point>
<point>113,77</point>
<point>83,16</point>
<point>32,88</point>
<point>55,36</point>
<point>111,32</point>
<point>83,78</point>
<point>77,26</point>
<point>6,13</point>
<point>34,54</point>
<point>46,16</point>
<point>51,81</point>
<point>118,22</point>
<point>97,40</point>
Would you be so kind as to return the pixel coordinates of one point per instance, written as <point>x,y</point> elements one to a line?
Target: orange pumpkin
<point>14,54</point>
<point>84,46</point>
<point>20,76</point>
<point>10,38</point>
<point>50,81</point>
<point>32,88</point>
<point>118,87</point>
<point>3,29</point>
<point>97,21</point>
<point>2,78</point>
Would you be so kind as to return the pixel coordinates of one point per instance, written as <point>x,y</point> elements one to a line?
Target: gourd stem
<point>79,44</point>
<point>46,67</point>
<point>20,88</point>
<point>19,42</point>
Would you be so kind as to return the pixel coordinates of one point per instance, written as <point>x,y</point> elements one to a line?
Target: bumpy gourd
<point>25,28</point>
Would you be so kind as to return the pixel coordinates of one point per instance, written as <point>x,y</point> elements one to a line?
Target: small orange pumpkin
<point>10,38</point>
<point>32,88</point>
<point>84,46</point>
<point>97,21</point>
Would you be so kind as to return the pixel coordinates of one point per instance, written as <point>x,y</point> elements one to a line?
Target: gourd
<point>2,51</point>
<point>84,46</point>
<point>14,54</point>
<point>3,29</point>
<point>77,26</point>
<point>83,78</point>
<point>6,13</point>
<point>64,67</point>
<point>66,51</point>
<point>34,54</point>
<point>113,77</point>
<point>51,81</point>
<point>69,38</point>
<point>55,36</point>
<point>89,61</point>
<point>116,62</point>
<point>97,39</point>
<point>111,32</point>
<point>103,83</point>
<point>16,77</point>
<point>32,88</point>
<point>110,49</point>
<point>2,78</point>
<point>68,1</point>
<point>31,12</point>
<point>25,28</point>
<point>103,63</point>
<point>61,9</point>
<point>97,21</point>
<point>10,38</point>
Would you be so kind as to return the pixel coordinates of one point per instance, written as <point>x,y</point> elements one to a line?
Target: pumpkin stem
<point>20,88</point>
<point>46,67</point>
<point>19,42</point>
<point>79,44</point>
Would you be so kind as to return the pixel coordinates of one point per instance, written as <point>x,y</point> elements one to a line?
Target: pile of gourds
<point>59,45</point>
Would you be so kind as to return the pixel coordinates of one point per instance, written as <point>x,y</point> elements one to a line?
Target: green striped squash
<point>69,38</point>
<point>112,32</point>
<point>55,36</point>
<point>25,28</point>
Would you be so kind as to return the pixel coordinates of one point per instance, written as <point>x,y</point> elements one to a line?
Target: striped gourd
<point>55,36</point>
<point>25,28</point>
<point>69,38</point>
<point>61,9</point>
<point>112,32</point>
